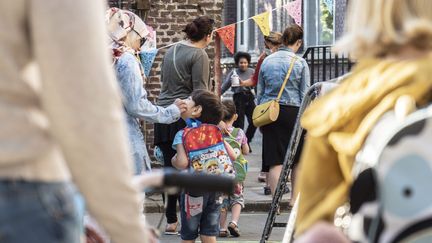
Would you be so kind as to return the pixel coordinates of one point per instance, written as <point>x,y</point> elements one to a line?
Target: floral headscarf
<point>120,23</point>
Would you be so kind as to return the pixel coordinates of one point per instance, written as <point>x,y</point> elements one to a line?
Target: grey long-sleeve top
<point>193,68</point>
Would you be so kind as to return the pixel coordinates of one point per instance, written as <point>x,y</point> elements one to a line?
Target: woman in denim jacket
<point>275,67</point>
<point>128,33</point>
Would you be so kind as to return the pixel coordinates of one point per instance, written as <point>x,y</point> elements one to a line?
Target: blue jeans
<point>39,212</point>
<point>204,215</point>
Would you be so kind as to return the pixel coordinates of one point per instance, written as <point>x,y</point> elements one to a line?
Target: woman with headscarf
<point>128,33</point>
<point>185,68</point>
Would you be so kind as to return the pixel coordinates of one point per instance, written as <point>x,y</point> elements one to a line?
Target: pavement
<point>251,226</point>
<point>255,200</point>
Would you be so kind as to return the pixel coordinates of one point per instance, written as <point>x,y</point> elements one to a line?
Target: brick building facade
<point>168,18</point>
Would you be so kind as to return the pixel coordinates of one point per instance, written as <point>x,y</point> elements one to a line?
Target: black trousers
<point>171,209</point>
<point>245,105</point>
<point>164,136</point>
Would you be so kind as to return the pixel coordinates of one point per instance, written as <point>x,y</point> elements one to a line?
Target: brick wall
<point>168,18</point>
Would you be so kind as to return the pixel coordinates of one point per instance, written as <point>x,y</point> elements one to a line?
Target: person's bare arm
<point>230,151</point>
<point>180,160</point>
<point>245,149</point>
<point>247,83</point>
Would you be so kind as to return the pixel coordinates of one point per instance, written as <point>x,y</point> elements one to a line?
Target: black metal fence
<point>323,64</point>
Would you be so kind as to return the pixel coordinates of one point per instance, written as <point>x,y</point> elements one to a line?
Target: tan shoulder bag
<point>268,112</point>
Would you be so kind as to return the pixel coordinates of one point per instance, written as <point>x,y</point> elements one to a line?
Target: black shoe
<point>267,190</point>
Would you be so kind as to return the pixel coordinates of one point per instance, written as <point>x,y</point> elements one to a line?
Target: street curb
<point>263,206</point>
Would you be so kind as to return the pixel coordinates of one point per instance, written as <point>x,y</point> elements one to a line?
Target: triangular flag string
<point>216,30</point>
<point>227,35</point>
<point>295,10</point>
<point>147,59</point>
<point>263,22</point>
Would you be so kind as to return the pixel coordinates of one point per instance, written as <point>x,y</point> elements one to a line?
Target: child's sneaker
<point>233,229</point>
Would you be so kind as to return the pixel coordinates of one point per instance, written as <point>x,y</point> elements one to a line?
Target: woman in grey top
<point>185,68</point>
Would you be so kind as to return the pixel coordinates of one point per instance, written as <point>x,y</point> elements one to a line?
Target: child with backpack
<point>201,149</point>
<point>238,141</point>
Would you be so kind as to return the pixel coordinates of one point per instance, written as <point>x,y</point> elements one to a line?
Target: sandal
<point>233,229</point>
<point>223,233</point>
<point>171,229</point>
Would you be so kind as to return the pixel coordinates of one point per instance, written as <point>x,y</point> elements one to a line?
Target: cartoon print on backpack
<point>212,167</point>
<point>206,150</point>
<point>196,164</point>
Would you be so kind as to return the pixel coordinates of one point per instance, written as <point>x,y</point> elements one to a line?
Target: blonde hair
<point>376,28</point>
<point>274,38</point>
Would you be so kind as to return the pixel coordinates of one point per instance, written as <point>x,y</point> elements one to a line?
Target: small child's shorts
<point>204,215</point>
<point>236,198</point>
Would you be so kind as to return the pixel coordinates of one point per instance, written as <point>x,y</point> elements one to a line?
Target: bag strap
<point>175,66</point>
<point>235,132</point>
<point>286,77</point>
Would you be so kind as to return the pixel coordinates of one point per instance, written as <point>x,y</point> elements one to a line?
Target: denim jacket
<point>137,106</point>
<point>272,74</point>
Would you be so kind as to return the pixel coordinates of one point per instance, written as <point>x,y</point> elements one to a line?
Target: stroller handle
<point>185,181</point>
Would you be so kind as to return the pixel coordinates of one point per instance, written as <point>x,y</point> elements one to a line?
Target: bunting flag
<point>262,20</point>
<point>329,4</point>
<point>147,59</point>
<point>227,34</point>
<point>295,10</point>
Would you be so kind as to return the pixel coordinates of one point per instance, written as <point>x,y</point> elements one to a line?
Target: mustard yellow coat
<point>339,123</point>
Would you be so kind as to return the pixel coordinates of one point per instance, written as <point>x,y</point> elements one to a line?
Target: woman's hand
<point>181,104</point>
<point>246,83</point>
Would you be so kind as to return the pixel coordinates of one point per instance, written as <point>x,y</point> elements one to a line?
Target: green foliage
<point>327,24</point>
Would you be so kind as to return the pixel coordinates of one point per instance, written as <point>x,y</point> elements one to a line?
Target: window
<point>318,23</point>
<point>246,30</point>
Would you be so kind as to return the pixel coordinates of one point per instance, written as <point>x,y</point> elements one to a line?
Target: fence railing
<point>323,64</point>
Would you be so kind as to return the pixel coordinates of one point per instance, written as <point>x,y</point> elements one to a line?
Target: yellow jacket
<point>339,123</point>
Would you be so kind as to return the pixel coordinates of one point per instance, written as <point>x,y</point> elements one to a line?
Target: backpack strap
<point>235,132</point>
<point>190,122</point>
<point>175,66</point>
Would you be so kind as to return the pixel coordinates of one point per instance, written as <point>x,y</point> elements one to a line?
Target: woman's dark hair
<point>239,55</point>
<point>199,28</point>
<point>229,110</point>
<point>292,34</point>
<point>212,110</point>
